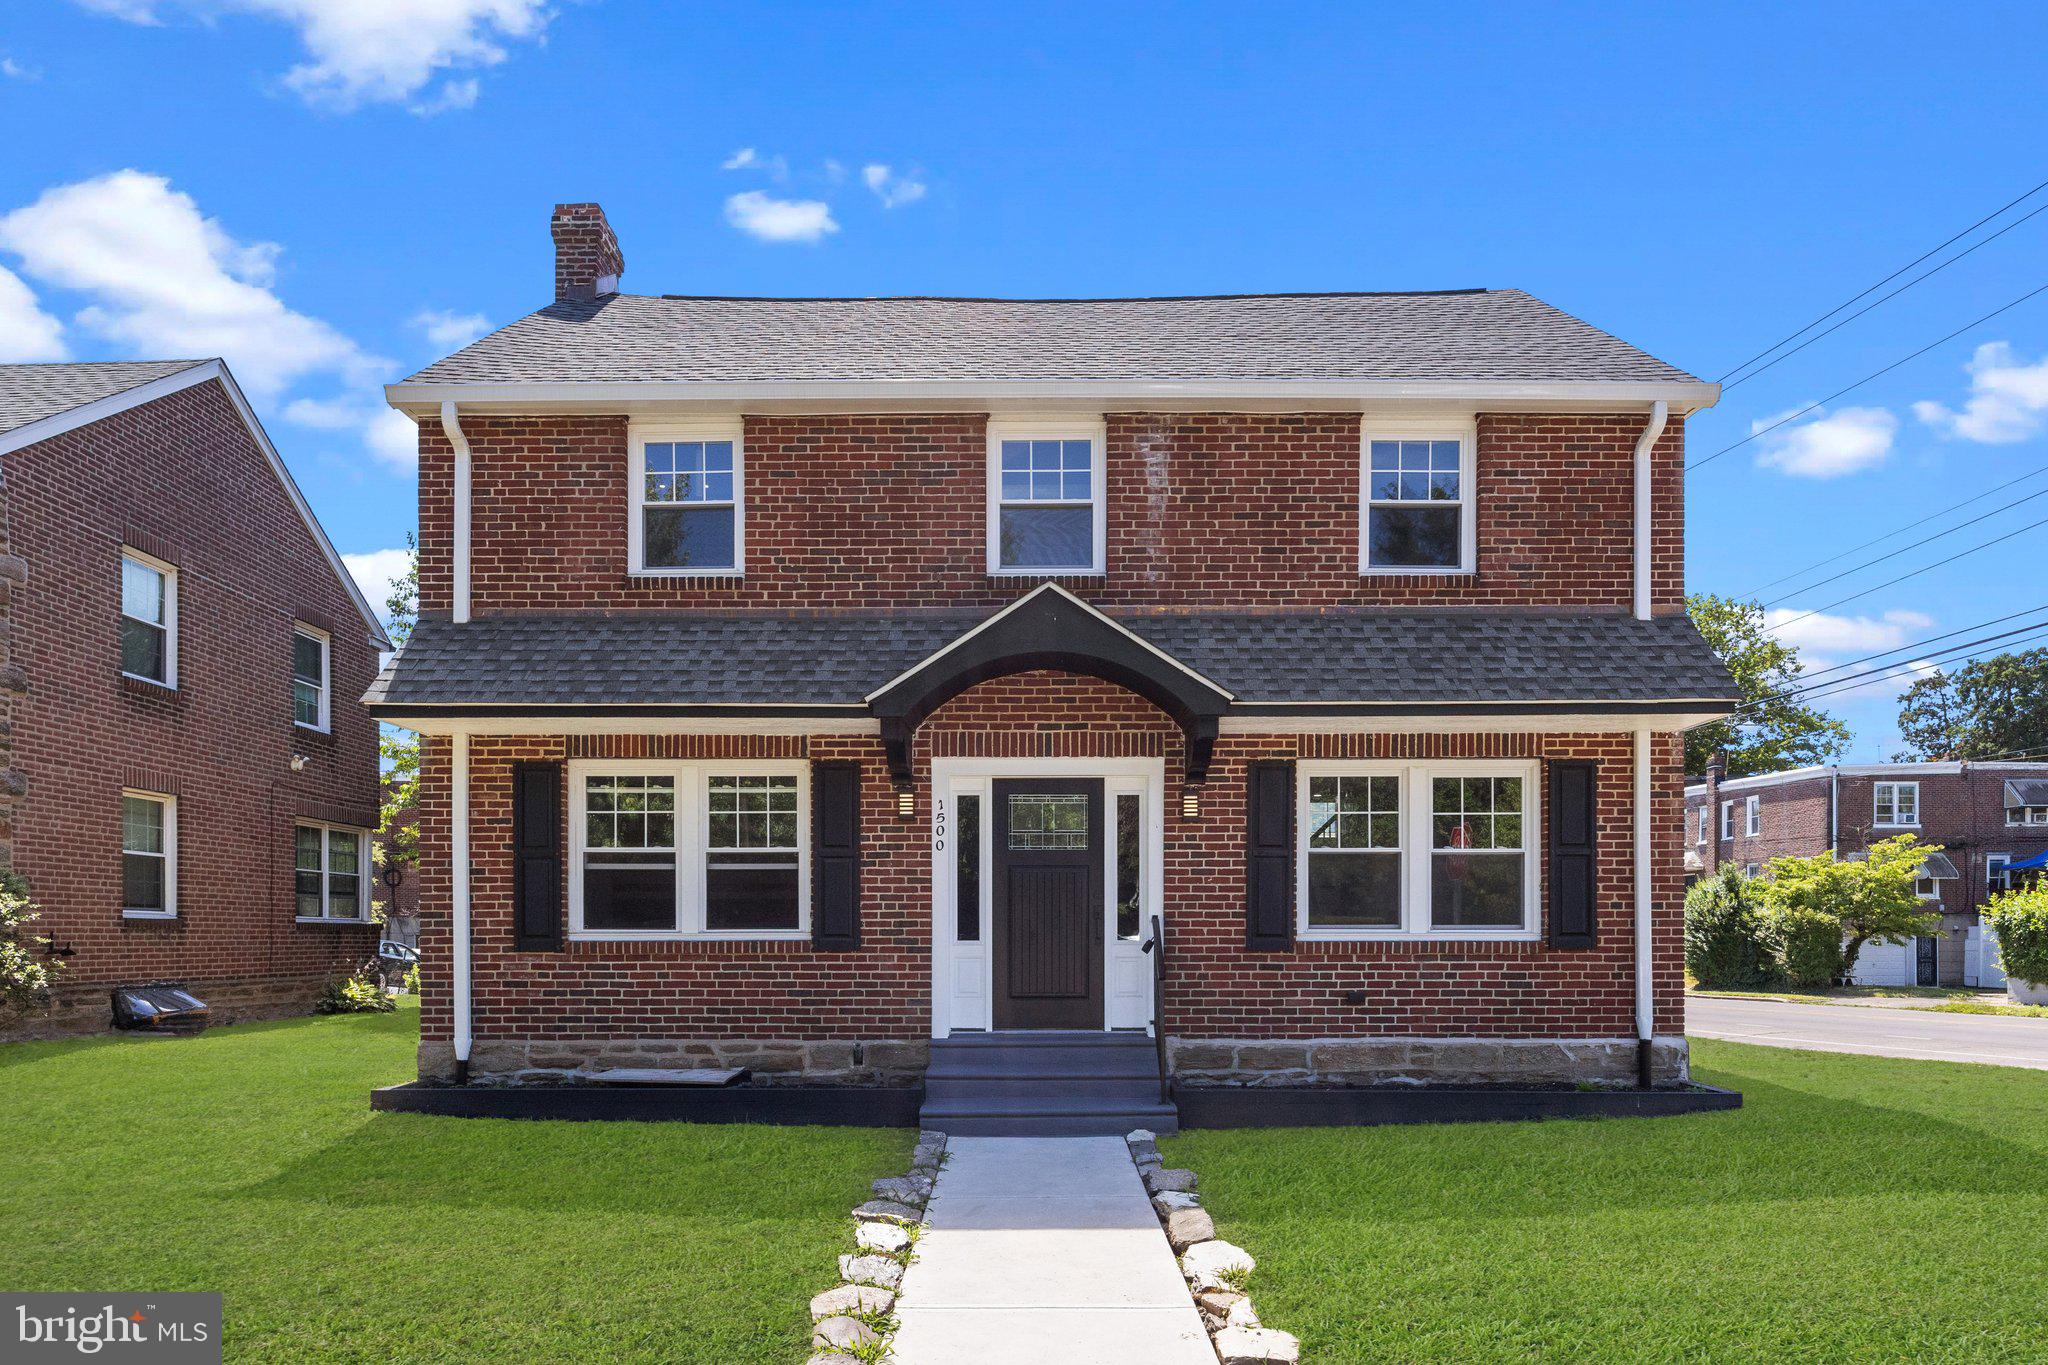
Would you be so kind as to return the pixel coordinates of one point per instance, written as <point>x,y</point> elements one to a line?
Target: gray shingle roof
<point>1366,656</point>
<point>29,393</point>
<point>1499,335</point>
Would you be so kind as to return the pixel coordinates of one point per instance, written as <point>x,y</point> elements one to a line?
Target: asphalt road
<point>1878,1032</point>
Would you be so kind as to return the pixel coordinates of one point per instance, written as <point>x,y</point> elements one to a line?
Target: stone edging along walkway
<point>852,1323</point>
<point>1217,1272</point>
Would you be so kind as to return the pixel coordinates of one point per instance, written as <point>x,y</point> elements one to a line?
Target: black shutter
<point>537,857</point>
<point>1573,788</point>
<point>1269,857</point>
<point>835,857</point>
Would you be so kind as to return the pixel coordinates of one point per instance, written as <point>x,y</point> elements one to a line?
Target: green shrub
<point>1809,944</point>
<point>2021,919</point>
<point>1727,940</point>
<point>358,994</point>
<point>411,984</point>
<point>25,976</point>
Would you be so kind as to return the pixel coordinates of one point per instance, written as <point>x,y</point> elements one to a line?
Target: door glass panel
<point>1048,822</point>
<point>1129,866</point>
<point>967,870</point>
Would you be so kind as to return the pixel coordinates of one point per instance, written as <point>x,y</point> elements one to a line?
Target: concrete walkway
<point>1045,1249</point>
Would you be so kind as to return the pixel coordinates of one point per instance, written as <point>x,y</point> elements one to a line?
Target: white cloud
<point>26,331</point>
<point>769,219</point>
<point>1830,445</point>
<point>378,51</point>
<point>1824,641</point>
<point>375,571</point>
<point>892,189</point>
<point>165,281</point>
<point>387,433</point>
<point>454,330</point>
<point>15,71</point>
<point>2008,399</point>
<point>748,159</point>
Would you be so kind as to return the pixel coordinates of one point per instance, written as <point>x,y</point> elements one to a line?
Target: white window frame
<point>638,436</point>
<point>1706,823</point>
<point>170,855</point>
<point>1004,429</point>
<point>693,838</point>
<point>1994,871</point>
<point>363,891</point>
<point>2028,815</point>
<point>169,624</point>
<point>1933,893</point>
<point>1752,870</point>
<point>1897,789</point>
<point>326,643</point>
<point>1466,434</point>
<point>1727,820</point>
<point>1752,816</point>
<point>1417,857</point>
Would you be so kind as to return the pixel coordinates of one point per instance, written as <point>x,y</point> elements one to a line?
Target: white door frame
<point>962,985</point>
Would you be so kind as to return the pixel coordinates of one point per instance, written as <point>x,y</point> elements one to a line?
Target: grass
<point>1855,1208</point>
<point>1989,1007</point>
<point>247,1161</point>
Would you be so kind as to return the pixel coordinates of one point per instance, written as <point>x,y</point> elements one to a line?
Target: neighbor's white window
<point>672,850</point>
<point>686,491</point>
<point>1995,876</point>
<point>328,867</point>
<point>1751,869</point>
<point>1927,888</point>
<point>1752,816</point>
<point>1727,819</point>
<point>1391,850</point>
<point>2026,815</point>
<point>309,677</point>
<point>1706,820</point>
<point>149,618</point>
<point>149,855</point>
<point>1416,515</point>
<point>1046,509</point>
<point>1895,804</point>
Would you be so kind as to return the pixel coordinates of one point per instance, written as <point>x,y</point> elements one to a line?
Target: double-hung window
<point>1895,805</point>
<point>686,489</point>
<point>328,863</point>
<point>149,855</point>
<point>1727,819</point>
<point>149,619</point>
<point>1416,516</point>
<point>1391,850</point>
<point>1045,498</point>
<point>1752,816</point>
<point>1996,878</point>
<point>1705,822</point>
<point>309,677</point>
<point>715,849</point>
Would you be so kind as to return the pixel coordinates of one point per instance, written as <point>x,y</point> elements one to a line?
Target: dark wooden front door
<point>1047,903</point>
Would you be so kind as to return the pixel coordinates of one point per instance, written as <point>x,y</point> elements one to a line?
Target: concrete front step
<point>1046,1116</point>
<point>1045,1084</point>
<point>1142,1088</point>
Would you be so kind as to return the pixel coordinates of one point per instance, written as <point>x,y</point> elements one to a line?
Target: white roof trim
<point>198,373</point>
<point>1031,596</point>
<point>1904,772</point>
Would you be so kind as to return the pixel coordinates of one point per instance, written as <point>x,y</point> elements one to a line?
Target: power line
<point>1923,643</point>
<point>1793,417</point>
<point>1924,540</point>
<point>1885,281</point>
<point>1961,554</point>
<point>1878,303</point>
<point>1899,531</point>
<point>1969,649</point>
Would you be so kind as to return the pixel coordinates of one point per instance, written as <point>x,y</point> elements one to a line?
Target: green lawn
<point>247,1161</point>
<point>1855,1208</point>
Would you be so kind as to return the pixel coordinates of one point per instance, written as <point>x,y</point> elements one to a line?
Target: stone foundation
<point>87,1009</point>
<point>874,1062</point>
<point>1421,1061</point>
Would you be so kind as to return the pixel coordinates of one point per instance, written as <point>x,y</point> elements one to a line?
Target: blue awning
<point>2033,864</point>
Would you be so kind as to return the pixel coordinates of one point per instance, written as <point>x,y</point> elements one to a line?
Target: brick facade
<point>181,478</point>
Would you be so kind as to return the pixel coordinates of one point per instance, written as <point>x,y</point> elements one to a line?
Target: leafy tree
<point>1982,709</point>
<point>1771,731</point>
<point>1727,936</point>
<point>1824,908</point>
<point>2020,916</point>
<point>397,833</point>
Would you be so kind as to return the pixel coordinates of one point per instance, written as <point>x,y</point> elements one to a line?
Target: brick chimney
<point>587,259</point>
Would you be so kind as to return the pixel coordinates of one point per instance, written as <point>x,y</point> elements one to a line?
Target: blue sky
<point>334,192</point>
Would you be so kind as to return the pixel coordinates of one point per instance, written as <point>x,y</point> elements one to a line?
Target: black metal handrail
<point>1156,946</point>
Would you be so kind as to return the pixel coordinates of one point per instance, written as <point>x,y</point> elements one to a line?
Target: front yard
<point>247,1161</point>
<point>1857,1207</point>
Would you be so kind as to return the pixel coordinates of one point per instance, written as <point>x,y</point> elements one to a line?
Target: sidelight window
<point>1130,865</point>
<point>967,868</point>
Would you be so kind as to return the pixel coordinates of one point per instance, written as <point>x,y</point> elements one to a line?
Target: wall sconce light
<point>1190,804</point>
<point>906,803</point>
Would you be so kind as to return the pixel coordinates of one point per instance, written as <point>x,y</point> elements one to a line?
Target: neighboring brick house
<point>1985,816</point>
<point>192,775</point>
<point>811,682</point>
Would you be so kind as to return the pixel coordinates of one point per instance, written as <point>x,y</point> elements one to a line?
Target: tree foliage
<point>2021,918</point>
<point>1982,709</point>
<point>397,831</point>
<point>1727,935</point>
<point>1825,909</point>
<point>25,976</point>
<point>1772,731</point>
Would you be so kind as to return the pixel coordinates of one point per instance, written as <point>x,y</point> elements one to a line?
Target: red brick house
<point>192,778</point>
<point>837,686</point>
<point>1985,816</point>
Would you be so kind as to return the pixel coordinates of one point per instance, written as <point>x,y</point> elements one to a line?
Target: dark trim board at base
<point>846,1106</point>
<point>1221,1106</point>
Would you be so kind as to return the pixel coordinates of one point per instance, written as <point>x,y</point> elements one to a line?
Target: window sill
<point>149,914</point>
<point>691,936</point>
<point>686,573</point>
<point>150,687</point>
<point>332,919</point>
<point>1048,573</point>
<point>1375,571</point>
<point>1433,936</point>
<point>312,729</point>
<point>1914,825</point>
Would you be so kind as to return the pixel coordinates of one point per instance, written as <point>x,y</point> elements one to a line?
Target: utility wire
<point>1915,573</point>
<point>1883,282</point>
<point>1793,417</point>
<point>1921,644</point>
<point>1877,303</point>
<point>1911,525</point>
<point>1961,653</point>
<point>1894,554</point>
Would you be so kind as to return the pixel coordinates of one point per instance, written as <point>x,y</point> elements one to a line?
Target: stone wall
<point>1422,1061</point>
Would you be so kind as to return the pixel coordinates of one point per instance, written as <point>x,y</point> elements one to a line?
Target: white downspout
<point>458,888</point>
<point>1660,412</point>
<point>452,425</point>
<point>1646,996</point>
